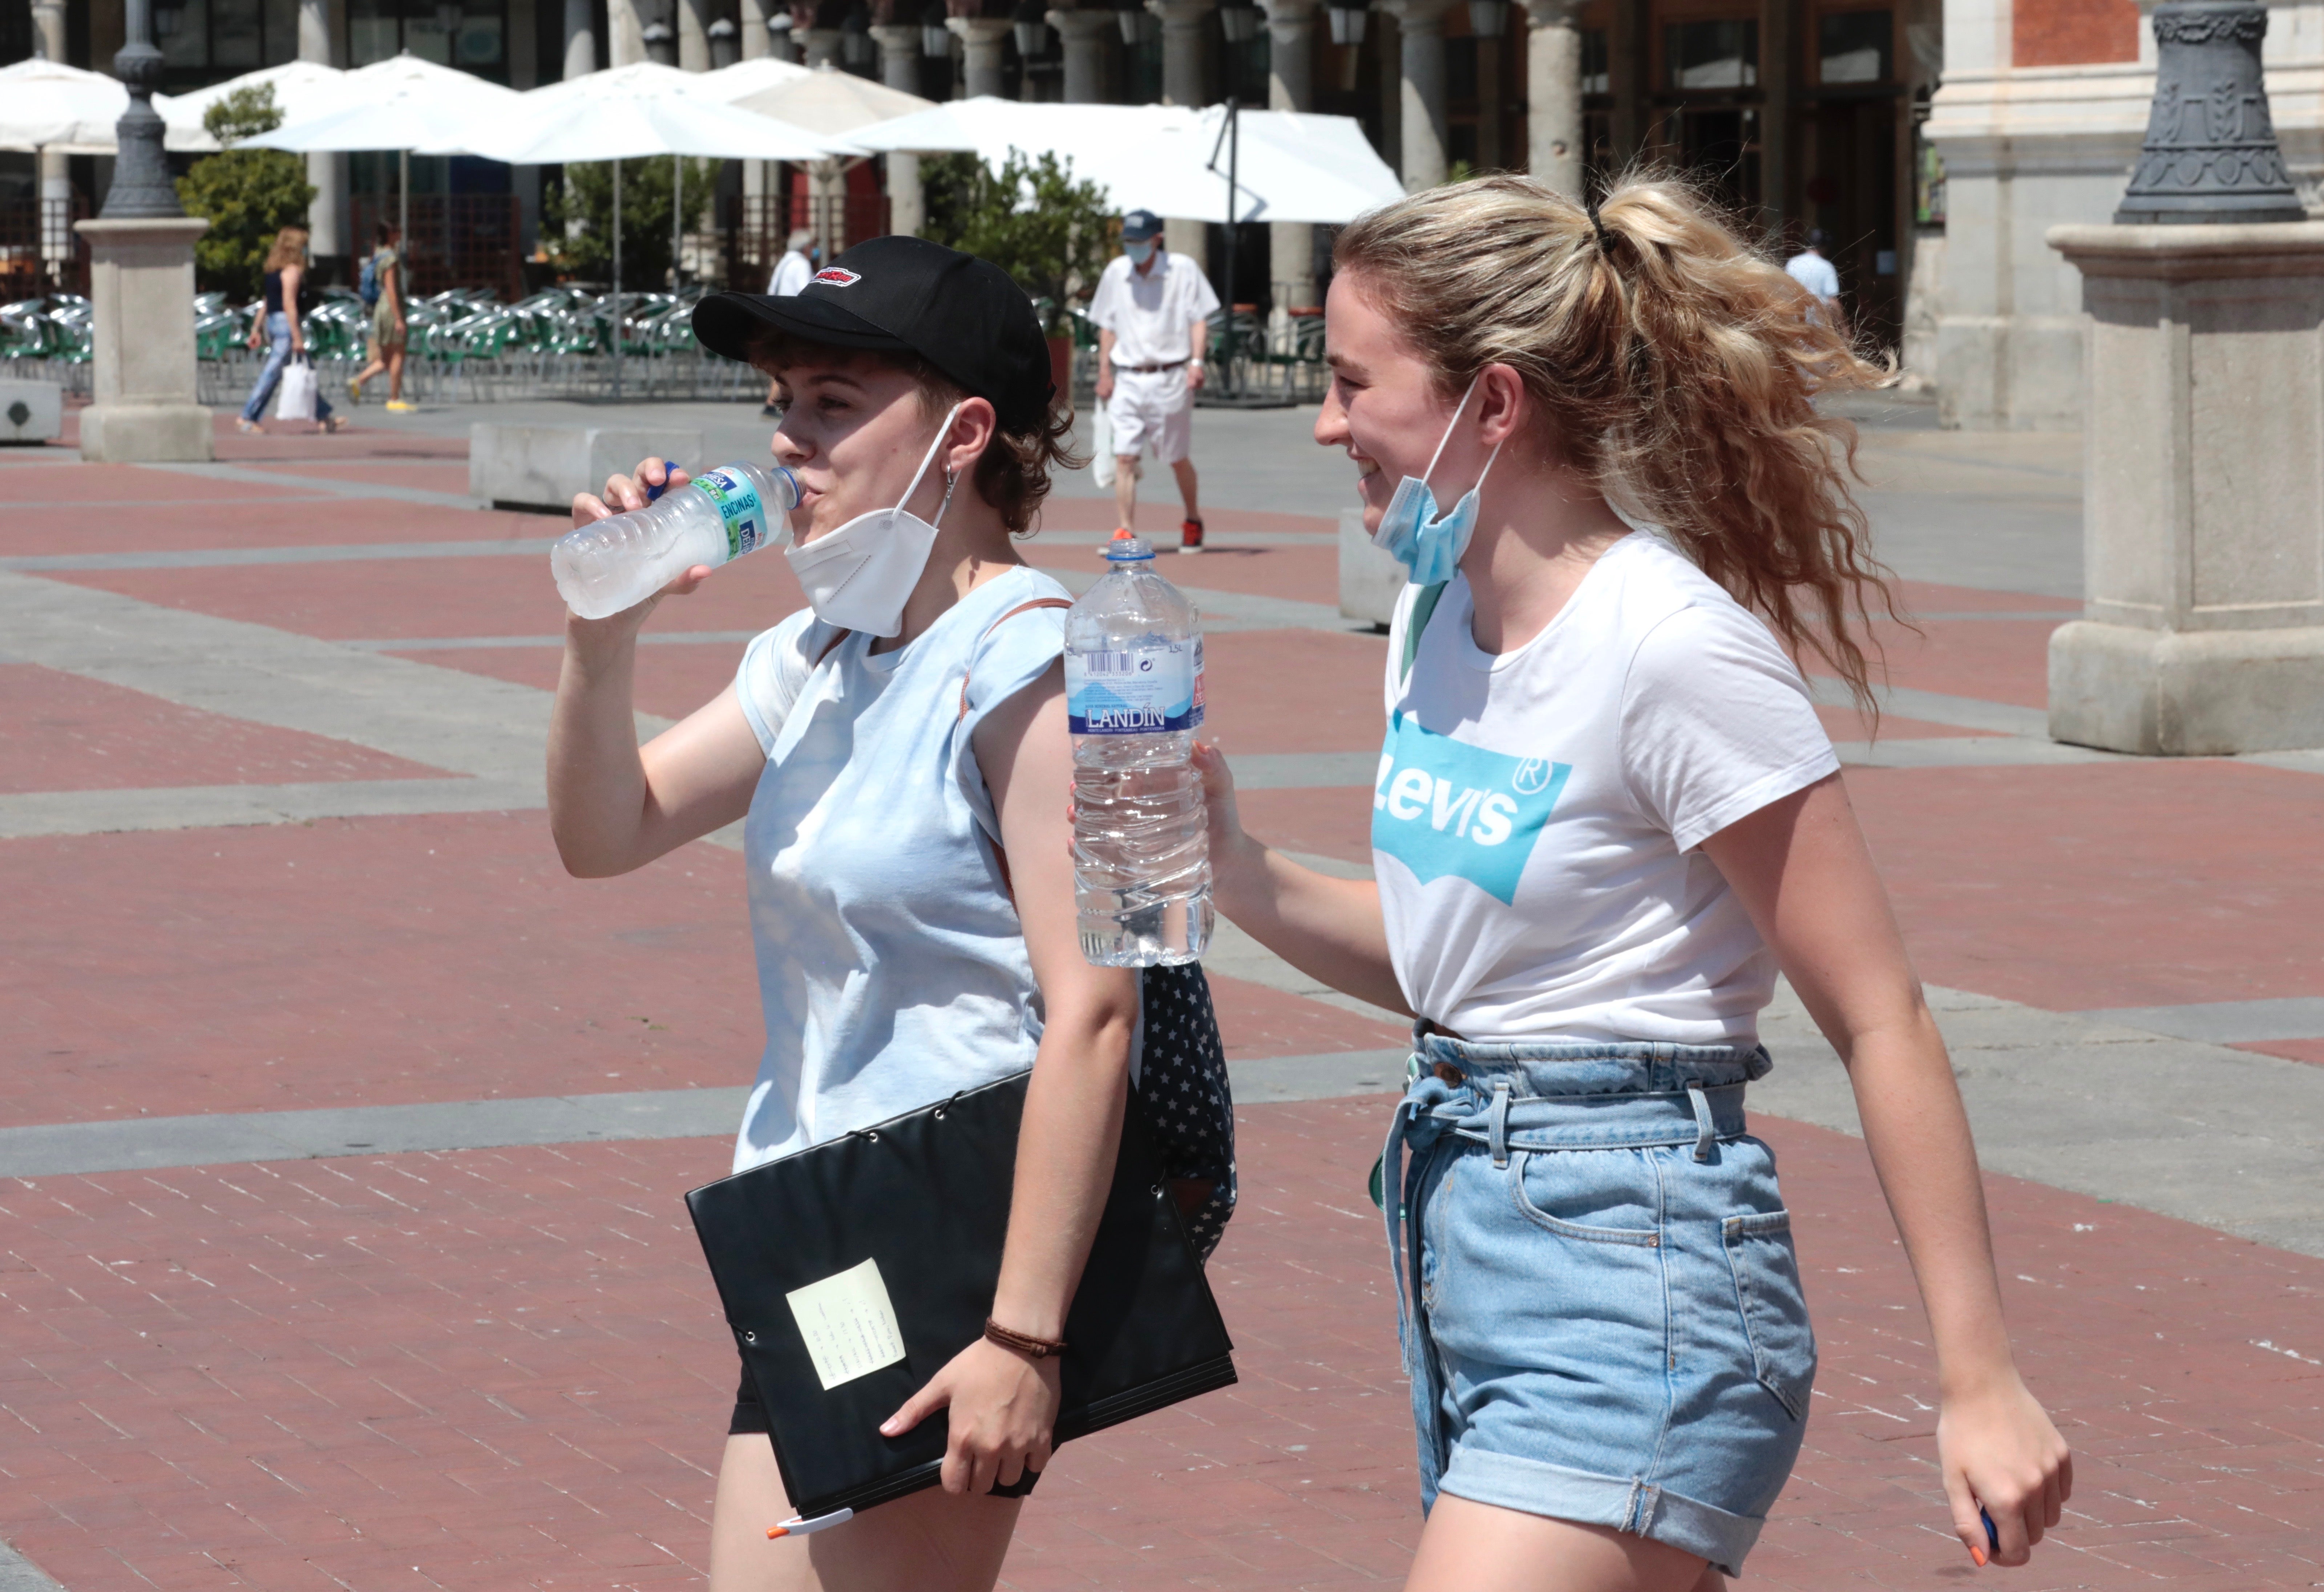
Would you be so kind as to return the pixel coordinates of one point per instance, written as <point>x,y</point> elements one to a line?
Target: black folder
<point>921,1202</point>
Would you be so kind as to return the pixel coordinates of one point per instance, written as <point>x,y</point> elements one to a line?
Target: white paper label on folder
<point>849,1324</point>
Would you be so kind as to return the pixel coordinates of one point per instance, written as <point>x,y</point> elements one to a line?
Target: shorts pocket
<point>1580,1194</point>
<point>1774,1307</point>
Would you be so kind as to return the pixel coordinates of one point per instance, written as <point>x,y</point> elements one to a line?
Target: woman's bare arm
<point>1804,874</point>
<point>613,804</point>
<point>1004,1405</point>
<point>1330,929</point>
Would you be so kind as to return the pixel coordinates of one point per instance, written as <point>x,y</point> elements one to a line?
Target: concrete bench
<point>1370,580</point>
<point>543,466</point>
<point>31,411</point>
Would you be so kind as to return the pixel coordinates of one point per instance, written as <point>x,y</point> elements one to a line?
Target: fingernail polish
<point>1978,1554</point>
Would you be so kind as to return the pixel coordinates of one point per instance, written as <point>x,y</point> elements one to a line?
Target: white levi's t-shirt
<point>1536,816</point>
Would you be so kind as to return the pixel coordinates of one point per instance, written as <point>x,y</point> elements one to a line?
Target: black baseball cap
<point>906,295</point>
<point>1140,225</point>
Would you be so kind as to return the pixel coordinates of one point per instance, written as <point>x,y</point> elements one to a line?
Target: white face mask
<point>860,576</point>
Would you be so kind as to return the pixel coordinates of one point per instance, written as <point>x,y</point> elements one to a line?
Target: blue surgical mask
<point>1410,531</point>
<point>1139,253</point>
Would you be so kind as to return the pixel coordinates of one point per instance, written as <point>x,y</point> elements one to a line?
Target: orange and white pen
<point>798,1527</point>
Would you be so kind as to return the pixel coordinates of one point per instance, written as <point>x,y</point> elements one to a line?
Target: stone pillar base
<point>145,434</point>
<point>2187,693</point>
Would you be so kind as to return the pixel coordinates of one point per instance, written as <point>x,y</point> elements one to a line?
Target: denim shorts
<point>1601,1305</point>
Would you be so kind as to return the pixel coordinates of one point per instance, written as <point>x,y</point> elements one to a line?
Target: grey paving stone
<point>20,1574</point>
<point>2227,1138</point>
<point>208,806</point>
<point>316,553</point>
<point>2225,1022</point>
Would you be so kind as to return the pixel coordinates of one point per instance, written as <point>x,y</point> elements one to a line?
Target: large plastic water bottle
<point>1133,699</point>
<point>713,518</point>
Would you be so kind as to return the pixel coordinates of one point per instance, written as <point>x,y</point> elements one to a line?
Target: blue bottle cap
<point>1126,549</point>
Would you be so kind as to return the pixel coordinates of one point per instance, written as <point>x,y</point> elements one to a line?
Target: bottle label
<point>738,506</point>
<point>1154,688</point>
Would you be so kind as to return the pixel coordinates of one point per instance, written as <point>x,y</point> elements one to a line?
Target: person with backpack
<point>1605,816</point>
<point>897,754</point>
<point>380,287</point>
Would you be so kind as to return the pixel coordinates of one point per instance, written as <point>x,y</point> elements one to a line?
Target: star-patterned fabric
<point>1182,1088</point>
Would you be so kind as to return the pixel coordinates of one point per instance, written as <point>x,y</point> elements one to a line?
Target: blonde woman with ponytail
<point>1605,817</point>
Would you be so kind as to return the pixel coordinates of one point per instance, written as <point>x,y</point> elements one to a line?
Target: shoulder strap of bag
<point>996,624</point>
<point>1423,608</point>
<point>832,645</point>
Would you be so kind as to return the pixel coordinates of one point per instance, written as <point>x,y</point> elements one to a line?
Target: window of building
<point>469,35</point>
<point>202,40</point>
<point>1855,47</point>
<point>1718,53</point>
<point>1596,77</point>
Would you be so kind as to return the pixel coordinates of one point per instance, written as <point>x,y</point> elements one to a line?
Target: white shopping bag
<point>297,401</point>
<point>1102,447</point>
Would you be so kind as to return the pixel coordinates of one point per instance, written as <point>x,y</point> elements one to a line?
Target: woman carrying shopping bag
<point>1605,816</point>
<point>277,329</point>
<point>899,756</point>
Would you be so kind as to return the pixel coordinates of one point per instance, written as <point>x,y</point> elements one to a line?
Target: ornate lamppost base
<point>141,293</point>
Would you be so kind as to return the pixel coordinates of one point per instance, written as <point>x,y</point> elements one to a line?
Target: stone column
<point>49,43</point>
<point>981,53</point>
<point>327,217</point>
<point>580,39</point>
<point>1420,27</point>
<point>1554,153</point>
<point>1291,87</point>
<point>1185,36</point>
<point>899,68</point>
<point>625,33</point>
<point>693,37</point>
<point>1083,35</point>
<point>822,47</point>
<point>2203,492</point>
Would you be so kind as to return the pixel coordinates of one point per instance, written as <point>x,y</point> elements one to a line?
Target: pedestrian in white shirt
<point>1152,310</point>
<point>1605,818</point>
<point>1813,271</point>
<point>792,273</point>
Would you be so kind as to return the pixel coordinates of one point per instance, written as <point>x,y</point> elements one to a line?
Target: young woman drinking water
<point>1606,815</point>
<point>899,753</point>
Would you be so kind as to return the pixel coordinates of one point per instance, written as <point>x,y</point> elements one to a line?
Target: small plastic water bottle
<point>1133,700</point>
<point>713,518</point>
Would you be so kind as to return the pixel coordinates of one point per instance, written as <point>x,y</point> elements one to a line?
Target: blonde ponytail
<point>1674,367</point>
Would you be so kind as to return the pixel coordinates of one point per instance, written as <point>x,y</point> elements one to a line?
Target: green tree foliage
<point>582,216</point>
<point>246,194</point>
<point>1050,233</point>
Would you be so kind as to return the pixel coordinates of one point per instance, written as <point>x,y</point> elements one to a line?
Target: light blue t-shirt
<point>891,963</point>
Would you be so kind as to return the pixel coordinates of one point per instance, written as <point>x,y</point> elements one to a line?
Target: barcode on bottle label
<point>1148,690</point>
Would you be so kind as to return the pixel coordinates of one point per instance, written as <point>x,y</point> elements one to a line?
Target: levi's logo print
<point>1442,806</point>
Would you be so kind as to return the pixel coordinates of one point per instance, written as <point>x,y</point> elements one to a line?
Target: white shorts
<point>1151,410</point>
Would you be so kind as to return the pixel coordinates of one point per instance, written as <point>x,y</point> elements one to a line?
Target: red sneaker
<point>1190,535</point>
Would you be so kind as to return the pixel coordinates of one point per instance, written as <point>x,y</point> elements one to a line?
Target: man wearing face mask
<point>898,756</point>
<point>1152,310</point>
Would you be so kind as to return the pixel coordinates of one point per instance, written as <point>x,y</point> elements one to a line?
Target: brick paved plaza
<point>341,1242</point>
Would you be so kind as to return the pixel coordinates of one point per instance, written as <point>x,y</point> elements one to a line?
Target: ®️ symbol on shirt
<point>838,276</point>
<point>1442,806</point>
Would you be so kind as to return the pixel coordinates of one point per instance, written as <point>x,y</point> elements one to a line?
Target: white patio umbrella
<point>303,90</point>
<point>632,113</point>
<point>831,102</point>
<point>729,84</point>
<point>46,105</point>
<point>403,105</point>
<point>1295,166</point>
